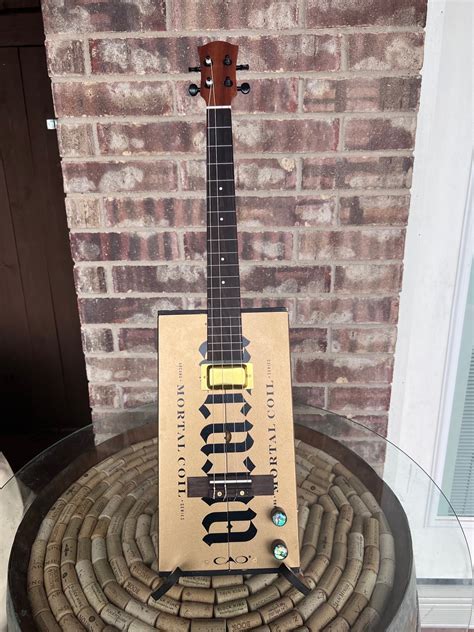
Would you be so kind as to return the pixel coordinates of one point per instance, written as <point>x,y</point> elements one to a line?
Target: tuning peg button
<point>193,89</point>
<point>279,550</point>
<point>244,88</point>
<point>279,517</point>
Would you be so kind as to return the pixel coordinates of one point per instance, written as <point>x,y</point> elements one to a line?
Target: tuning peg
<point>194,68</point>
<point>193,89</point>
<point>244,88</point>
<point>242,67</point>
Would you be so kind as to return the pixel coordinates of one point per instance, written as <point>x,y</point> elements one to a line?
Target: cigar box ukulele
<point>227,488</point>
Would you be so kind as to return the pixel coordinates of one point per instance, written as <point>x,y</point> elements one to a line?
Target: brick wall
<point>324,148</point>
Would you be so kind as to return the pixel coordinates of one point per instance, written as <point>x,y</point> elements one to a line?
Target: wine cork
<point>264,596</point>
<point>38,600</point>
<point>147,551</point>
<point>346,516</point>
<point>303,516</point>
<point>310,603</point>
<point>366,583</point>
<point>144,574</point>
<point>346,489</point>
<point>45,622</point>
<point>103,572</point>
<point>357,524</point>
<point>371,559</point>
<point>338,625</point>
<point>200,595</point>
<point>339,555</point>
<point>171,623</point>
<point>387,546</point>
<point>340,534</point>
<point>257,582</point>
<point>231,608</point>
<point>200,581</point>
<point>370,502</point>
<point>114,546</point>
<point>247,621</point>
<point>359,508</point>
<point>224,581</point>
<point>328,504</point>
<point>113,616</point>
<point>271,611</point>
<point>52,580</point>
<point>166,604</point>
<point>352,570</point>
<point>314,488</point>
<point>386,573</point>
<point>307,495</point>
<point>95,596</point>
<point>59,605</point>
<point>117,595</point>
<point>57,533</point>
<point>341,470</point>
<point>355,546</point>
<point>76,598</point>
<point>326,535</point>
<point>380,597</point>
<point>371,532</point>
<point>85,572</point>
<point>141,611</point>
<point>216,625</point>
<point>282,584</point>
<point>71,624</point>
<point>69,576</point>
<point>99,550</point>
<point>354,607</point>
<point>338,497</point>
<point>368,620</point>
<point>317,568</point>
<point>340,594</point>
<point>131,552</point>
<point>73,528</point>
<point>306,555</point>
<point>84,549</point>
<point>330,579</point>
<point>295,595</point>
<point>137,589</point>
<point>313,525</point>
<point>321,618</point>
<point>384,526</point>
<point>289,621</point>
<point>195,610</point>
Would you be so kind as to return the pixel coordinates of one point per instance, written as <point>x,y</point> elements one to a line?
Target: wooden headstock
<point>218,66</point>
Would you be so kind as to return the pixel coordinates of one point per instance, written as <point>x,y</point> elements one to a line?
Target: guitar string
<point>213,96</point>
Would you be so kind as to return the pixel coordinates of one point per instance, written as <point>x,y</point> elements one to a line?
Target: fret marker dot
<point>220,188</point>
<point>222,259</point>
<point>223,282</point>
<point>221,218</point>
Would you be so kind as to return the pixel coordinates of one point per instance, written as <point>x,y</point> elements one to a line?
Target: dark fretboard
<point>224,325</point>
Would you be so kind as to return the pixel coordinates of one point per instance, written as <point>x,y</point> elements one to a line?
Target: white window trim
<point>438,239</point>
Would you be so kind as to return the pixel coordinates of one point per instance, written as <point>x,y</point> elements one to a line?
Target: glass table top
<point>441,552</point>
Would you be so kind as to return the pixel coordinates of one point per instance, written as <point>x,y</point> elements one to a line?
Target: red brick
<point>120,369</point>
<point>123,98</point>
<point>384,243</point>
<point>374,423</point>
<point>104,396</point>
<point>374,209</point>
<point>335,311</point>
<point>83,212</point>
<point>266,95</point>
<point>145,138</point>
<point>366,172</point>
<point>285,211</point>
<point>90,280</point>
<point>75,139</point>
<point>368,13</point>
<point>97,340</point>
<point>264,53</point>
<point>359,278</point>
<point>71,16</point>
<point>154,212</point>
<point>286,279</point>
<point>258,301</point>
<point>308,340</point>
<point>397,133</point>
<point>136,396</point>
<point>111,177</point>
<point>65,57</point>
<point>385,51</point>
<point>267,246</point>
<point>347,399</point>
<point>361,94</point>
<point>163,278</point>
<point>308,396</point>
<point>259,173</point>
<point>286,136</point>
<point>363,340</point>
<point>126,310</point>
<point>344,369</point>
<point>124,246</point>
<point>205,15</point>
<point>138,340</point>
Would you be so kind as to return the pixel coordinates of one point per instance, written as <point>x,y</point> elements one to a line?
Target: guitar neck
<point>224,326</point>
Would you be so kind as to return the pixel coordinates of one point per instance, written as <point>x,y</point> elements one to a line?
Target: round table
<point>405,493</point>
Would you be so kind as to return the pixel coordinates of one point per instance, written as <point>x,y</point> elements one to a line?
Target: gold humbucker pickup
<point>238,376</point>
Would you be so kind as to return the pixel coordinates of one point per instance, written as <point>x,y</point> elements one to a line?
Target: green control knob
<point>279,550</point>
<point>279,517</point>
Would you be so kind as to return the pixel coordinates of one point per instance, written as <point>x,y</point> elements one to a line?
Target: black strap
<point>293,578</point>
<point>167,584</point>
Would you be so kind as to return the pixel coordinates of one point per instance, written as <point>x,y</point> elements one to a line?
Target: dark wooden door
<point>42,369</point>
